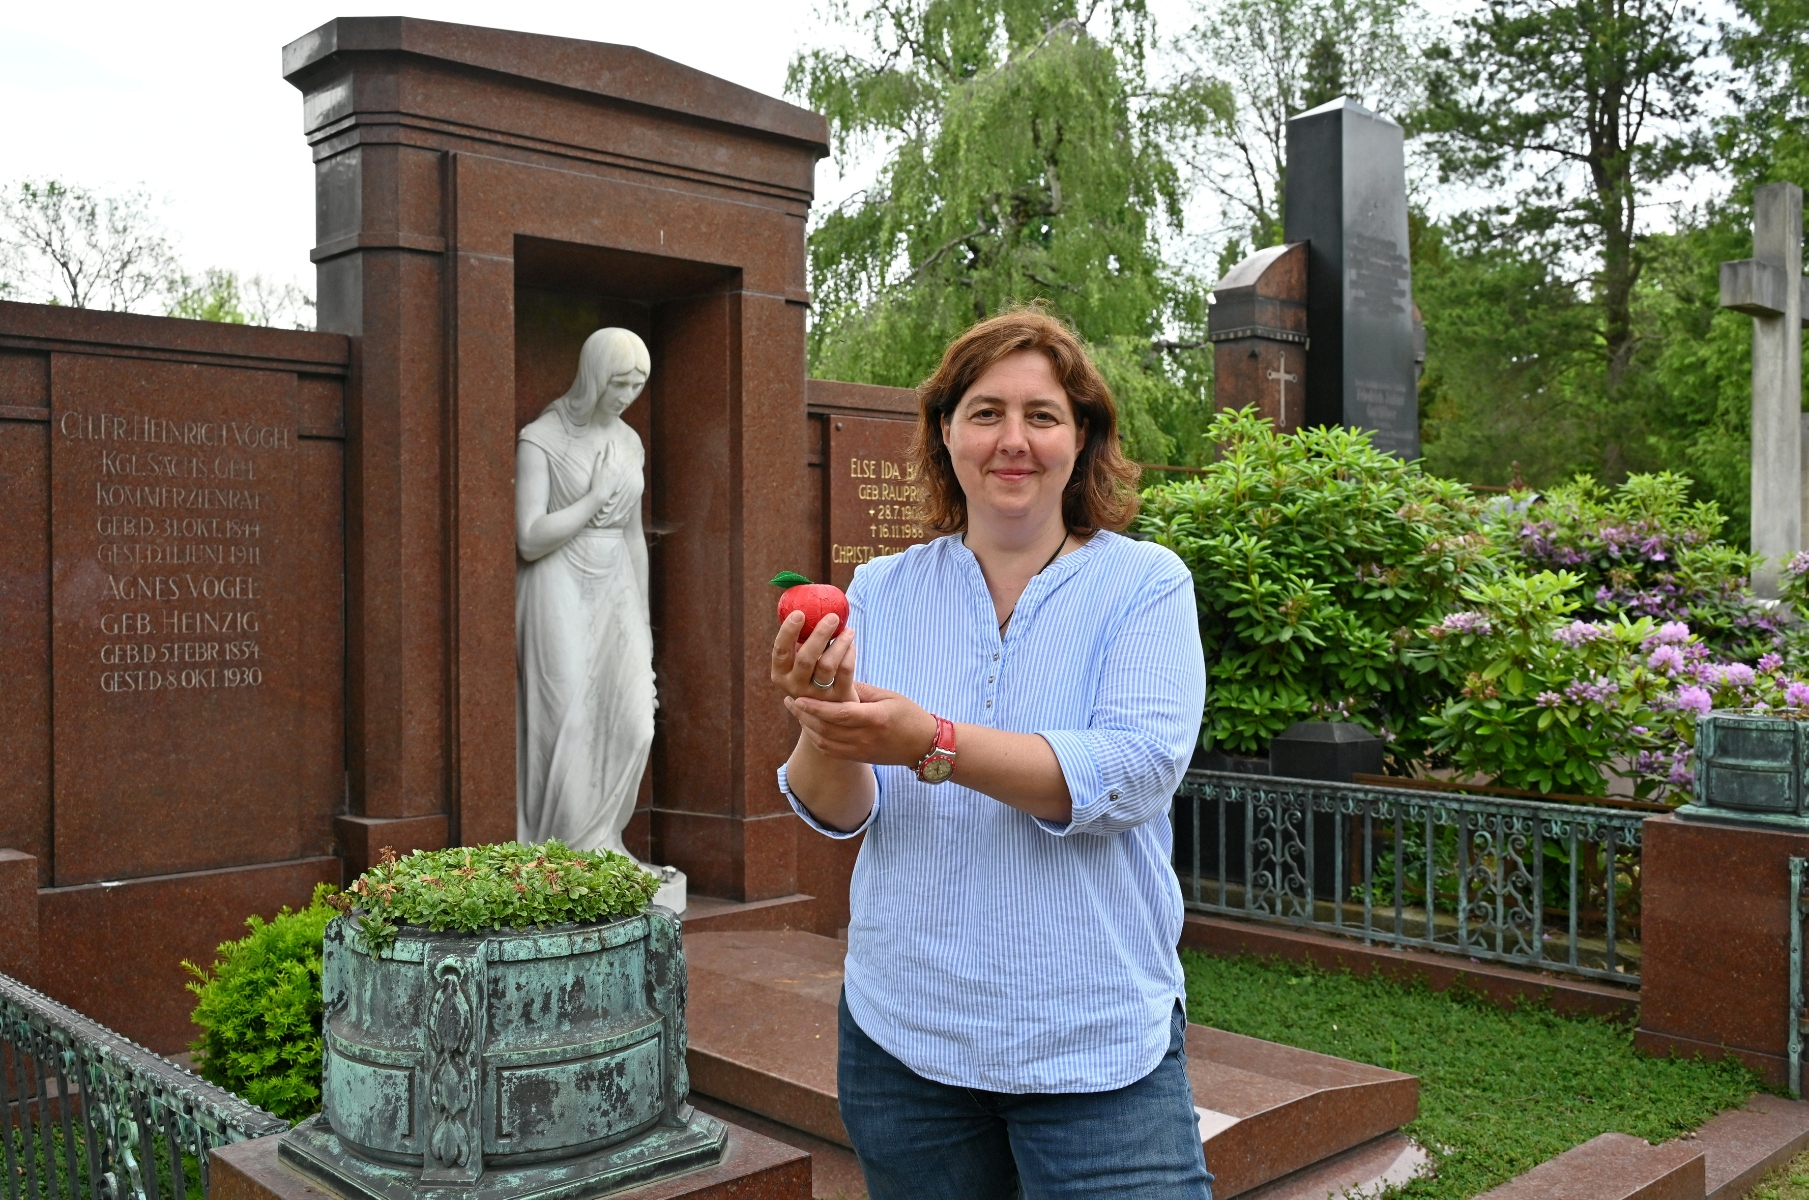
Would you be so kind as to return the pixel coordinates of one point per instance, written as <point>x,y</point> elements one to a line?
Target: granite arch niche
<point>564,292</point>
<point>723,422</point>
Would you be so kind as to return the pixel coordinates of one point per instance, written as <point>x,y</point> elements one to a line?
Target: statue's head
<point>612,370</point>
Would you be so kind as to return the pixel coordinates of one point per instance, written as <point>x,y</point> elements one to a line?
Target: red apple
<point>814,600</point>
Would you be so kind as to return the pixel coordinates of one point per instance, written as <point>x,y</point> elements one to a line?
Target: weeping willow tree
<point>1021,159</point>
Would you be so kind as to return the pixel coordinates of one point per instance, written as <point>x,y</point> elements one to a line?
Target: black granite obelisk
<point>1347,198</point>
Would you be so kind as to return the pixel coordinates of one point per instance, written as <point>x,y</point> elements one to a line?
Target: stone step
<point>1360,1173</point>
<point>1742,1145</point>
<point>1269,1110</point>
<point>1613,1166</point>
<point>762,1026</point>
<point>1723,1160</point>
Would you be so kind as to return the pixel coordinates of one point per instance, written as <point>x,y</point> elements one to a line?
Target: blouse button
<point>989,704</point>
<point>995,656</point>
<point>1111,795</point>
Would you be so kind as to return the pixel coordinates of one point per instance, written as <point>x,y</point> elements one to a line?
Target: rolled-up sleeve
<point>797,806</point>
<point>1123,768</point>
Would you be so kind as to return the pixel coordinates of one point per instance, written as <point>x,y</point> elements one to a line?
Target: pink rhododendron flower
<point>1671,633</point>
<point>1697,700</point>
<point>1578,632</point>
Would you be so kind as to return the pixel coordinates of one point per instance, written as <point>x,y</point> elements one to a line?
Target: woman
<point>584,701</point>
<point>1012,1012</point>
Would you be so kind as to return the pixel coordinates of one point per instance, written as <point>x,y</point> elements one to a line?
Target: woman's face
<point>1013,439</point>
<point>618,394</point>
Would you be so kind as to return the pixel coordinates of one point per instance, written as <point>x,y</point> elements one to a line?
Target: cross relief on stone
<point>1284,378</point>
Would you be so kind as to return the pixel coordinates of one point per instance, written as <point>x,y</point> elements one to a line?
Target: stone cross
<point>1769,288</point>
<point>1284,377</point>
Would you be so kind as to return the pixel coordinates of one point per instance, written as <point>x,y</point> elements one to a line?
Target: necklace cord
<point>1014,608</point>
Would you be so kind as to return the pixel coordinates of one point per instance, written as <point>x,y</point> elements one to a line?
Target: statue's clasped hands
<point>611,498</point>
<point>847,720</point>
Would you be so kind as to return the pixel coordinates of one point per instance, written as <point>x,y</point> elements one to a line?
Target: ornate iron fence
<point>87,1115</point>
<point>1546,885</point>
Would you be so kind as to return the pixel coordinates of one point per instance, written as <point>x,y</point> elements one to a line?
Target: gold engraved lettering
<point>169,495</point>
<point>190,621</point>
<point>120,495</point>
<point>221,587</point>
<point>116,624</point>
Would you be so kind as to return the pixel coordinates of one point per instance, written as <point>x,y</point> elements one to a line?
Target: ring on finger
<point>824,686</point>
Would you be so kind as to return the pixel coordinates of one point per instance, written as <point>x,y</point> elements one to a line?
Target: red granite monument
<point>262,586</point>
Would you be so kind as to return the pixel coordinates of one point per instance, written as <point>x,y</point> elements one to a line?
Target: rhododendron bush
<point>1549,643</point>
<point>1643,550</point>
<point>1552,703</point>
<point>1317,559</point>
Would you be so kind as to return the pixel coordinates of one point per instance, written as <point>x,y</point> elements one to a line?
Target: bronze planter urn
<point>1751,769</point>
<point>546,1063</point>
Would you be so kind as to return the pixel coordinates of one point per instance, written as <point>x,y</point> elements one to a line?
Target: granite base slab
<point>835,1173</point>
<point>313,1149</point>
<point>752,1167</point>
<point>1613,1166</point>
<point>1359,1173</point>
<point>762,1037</point>
<point>1509,987</point>
<point>1743,1145</point>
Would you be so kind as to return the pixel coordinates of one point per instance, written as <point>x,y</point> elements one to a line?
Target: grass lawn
<point>1500,1091</point>
<point>1788,1182</point>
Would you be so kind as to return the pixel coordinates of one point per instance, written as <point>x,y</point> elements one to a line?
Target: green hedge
<point>260,1007</point>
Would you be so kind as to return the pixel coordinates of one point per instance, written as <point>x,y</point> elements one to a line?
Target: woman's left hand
<point>879,727</point>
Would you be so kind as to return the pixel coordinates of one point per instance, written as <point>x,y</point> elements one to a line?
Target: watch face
<point>937,769</point>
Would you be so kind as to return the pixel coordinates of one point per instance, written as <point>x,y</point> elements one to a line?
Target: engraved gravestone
<point>875,497</point>
<point>1347,198</point>
<point>173,518</point>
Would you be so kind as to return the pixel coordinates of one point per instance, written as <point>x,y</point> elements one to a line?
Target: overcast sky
<point>189,100</point>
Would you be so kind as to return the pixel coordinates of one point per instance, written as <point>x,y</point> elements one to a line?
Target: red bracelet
<point>939,763</point>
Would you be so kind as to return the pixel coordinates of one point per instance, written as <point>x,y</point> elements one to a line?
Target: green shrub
<point>260,1006</point>
<point>1317,562</point>
<point>504,886</point>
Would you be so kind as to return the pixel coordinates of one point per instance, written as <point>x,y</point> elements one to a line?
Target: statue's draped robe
<point>584,674</point>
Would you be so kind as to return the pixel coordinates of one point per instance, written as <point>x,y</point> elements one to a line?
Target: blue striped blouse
<point>988,948</point>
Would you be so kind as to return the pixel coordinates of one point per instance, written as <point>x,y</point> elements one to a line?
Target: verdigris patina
<point>546,1063</point>
<point>1751,769</point>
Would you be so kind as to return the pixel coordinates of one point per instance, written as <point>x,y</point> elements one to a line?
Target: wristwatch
<point>939,763</point>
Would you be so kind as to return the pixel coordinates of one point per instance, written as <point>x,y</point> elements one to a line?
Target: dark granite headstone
<point>1329,750</point>
<point>1347,197</point>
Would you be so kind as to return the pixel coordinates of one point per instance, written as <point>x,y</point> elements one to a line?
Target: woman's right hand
<point>799,668</point>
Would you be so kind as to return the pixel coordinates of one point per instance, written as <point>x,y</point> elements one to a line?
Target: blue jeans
<point>922,1140</point>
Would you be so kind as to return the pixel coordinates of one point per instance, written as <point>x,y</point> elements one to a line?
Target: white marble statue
<point>584,685</point>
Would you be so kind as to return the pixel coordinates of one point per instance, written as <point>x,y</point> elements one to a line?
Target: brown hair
<point>1102,491</point>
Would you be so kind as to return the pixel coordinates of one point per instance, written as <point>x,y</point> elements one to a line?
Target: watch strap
<point>942,749</point>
